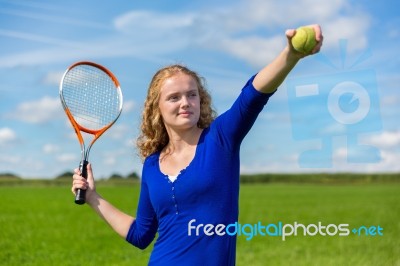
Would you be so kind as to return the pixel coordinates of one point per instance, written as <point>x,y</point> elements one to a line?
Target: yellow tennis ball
<point>304,40</point>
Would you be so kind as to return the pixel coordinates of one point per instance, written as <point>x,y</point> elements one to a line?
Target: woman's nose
<point>184,101</point>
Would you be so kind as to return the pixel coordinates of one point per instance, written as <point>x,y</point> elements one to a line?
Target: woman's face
<point>180,102</point>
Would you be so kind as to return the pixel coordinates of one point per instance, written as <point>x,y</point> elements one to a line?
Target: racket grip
<point>81,193</point>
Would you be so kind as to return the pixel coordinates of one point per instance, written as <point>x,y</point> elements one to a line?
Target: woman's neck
<point>180,141</point>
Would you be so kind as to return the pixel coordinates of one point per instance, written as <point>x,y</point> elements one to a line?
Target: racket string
<point>91,96</point>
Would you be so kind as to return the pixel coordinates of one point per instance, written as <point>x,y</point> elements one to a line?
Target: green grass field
<point>40,225</point>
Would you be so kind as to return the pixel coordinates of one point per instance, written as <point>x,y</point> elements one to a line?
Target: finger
<point>79,184</point>
<point>290,33</point>
<point>77,177</point>
<point>318,46</point>
<point>76,171</point>
<point>79,181</point>
<point>318,32</point>
<point>318,37</point>
<point>89,171</point>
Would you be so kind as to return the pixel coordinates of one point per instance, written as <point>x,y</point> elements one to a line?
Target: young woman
<point>190,178</point>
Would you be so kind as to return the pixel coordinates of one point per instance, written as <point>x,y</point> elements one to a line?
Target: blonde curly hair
<point>154,137</point>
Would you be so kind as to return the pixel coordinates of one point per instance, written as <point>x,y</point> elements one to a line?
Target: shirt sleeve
<point>233,125</point>
<point>144,228</point>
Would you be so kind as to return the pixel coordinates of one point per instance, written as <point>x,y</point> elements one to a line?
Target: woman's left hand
<point>318,37</point>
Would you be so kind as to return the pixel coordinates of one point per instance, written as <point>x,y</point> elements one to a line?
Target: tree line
<point>114,176</point>
<point>68,174</point>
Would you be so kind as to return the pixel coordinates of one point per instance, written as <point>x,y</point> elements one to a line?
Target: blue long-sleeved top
<point>207,190</point>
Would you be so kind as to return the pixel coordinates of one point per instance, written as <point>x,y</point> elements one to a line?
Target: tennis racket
<point>92,99</point>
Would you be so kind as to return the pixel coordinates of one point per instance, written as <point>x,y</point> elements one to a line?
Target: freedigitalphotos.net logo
<point>341,103</point>
<point>280,230</point>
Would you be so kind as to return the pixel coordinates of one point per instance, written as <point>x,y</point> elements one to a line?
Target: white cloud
<point>112,157</point>
<point>53,78</point>
<point>333,129</point>
<point>286,164</point>
<point>388,163</point>
<point>118,131</point>
<point>385,140</point>
<point>251,30</point>
<point>36,38</point>
<point>129,106</point>
<point>340,154</point>
<point>386,143</point>
<point>39,111</point>
<point>9,160</point>
<point>110,161</point>
<point>50,148</point>
<point>67,157</point>
<point>246,30</point>
<point>113,45</point>
<point>51,17</point>
<point>132,21</point>
<point>352,28</point>
<point>7,135</point>
<point>26,166</point>
<point>393,100</point>
<point>256,50</point>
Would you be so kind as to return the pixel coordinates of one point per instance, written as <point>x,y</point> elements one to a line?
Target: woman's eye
<point>173,98</point>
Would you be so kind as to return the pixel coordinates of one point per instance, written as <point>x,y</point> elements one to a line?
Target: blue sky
<point>337,112</point>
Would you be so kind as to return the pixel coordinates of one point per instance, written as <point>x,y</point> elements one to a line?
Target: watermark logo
<point>344,102</point>
<point>280,230</point>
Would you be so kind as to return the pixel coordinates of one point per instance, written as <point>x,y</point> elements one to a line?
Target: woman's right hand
<point>86,184</point>
<point>118,220</point>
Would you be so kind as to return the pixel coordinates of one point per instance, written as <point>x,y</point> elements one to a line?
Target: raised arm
<point>118,220</point>
<point>271,76</point>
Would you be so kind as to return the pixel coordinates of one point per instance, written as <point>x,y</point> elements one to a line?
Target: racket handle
<point>81,193</point>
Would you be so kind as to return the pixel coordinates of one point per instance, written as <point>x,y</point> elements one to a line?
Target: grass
<point>356,205</point>
<point>40,225</point>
